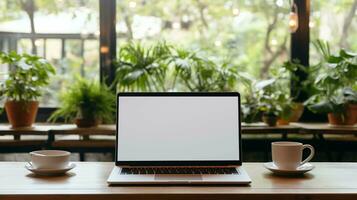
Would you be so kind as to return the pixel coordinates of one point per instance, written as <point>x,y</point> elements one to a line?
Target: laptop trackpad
<point>175,177</point>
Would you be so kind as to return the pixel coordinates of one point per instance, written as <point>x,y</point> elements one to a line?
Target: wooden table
<point>88,182</point>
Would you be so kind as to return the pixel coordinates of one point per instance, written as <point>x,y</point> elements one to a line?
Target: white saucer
<point>300,170</point>
<point>49,172</point>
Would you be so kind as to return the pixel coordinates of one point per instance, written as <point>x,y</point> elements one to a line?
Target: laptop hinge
<point>149,166</point>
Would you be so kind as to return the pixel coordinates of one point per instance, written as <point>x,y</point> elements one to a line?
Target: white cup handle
<point>312,153</point>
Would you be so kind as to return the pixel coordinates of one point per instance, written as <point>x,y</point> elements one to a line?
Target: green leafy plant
<point>142,69</point>
<point>272,100</point>
<point>350,95</point>
<point>335,73</point>
<point>250,105</point>
<point>292,72</point>
<point>28,74</point>
<point>162,67</point>
<point>86,100</point>
<point>199,74</point>
<point>250,109</point>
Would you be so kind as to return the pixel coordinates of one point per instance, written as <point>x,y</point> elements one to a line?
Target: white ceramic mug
<point>50,159</point>
<point>288,155</point>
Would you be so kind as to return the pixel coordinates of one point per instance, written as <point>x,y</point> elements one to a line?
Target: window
<point>333,21</point>
<point>253,35</point>
<point>64,31</point>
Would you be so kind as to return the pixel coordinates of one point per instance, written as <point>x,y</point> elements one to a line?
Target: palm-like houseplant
<point>87,103</point>
<point>142,69</point>
<point>22,88</point>
<point>162,67</point>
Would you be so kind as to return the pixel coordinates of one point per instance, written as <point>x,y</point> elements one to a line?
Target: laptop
<point>178,138</point>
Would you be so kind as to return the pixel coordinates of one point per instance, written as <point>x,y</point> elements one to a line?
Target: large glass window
<point>253,35</point>
<point>333,21</point>
<point>63,31</point>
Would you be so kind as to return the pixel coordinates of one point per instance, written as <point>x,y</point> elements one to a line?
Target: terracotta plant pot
<point>352,110</point>
<point>297,112</point>
<point>283,122</point>
<point>86,123</point>
<point>21,113</point>
<point>270,120</point>
<point>341,119</point>
<point>348,118</point>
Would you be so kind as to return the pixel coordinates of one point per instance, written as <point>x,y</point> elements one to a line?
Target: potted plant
<point>335,106</point>
<point>86,103</point>
<point>28,74</point>
<point>336,72</point>
<point>274,103</point>
<point>350,97</point>
<point>288,73</point>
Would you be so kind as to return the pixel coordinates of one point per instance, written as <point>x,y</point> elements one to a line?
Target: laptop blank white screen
<point>176,128</point>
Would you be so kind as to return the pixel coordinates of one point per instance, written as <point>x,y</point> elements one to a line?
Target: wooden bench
<point>83,140</point>
<point>256,137</point>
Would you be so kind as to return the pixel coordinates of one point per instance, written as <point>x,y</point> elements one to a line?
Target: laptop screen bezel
<point>180,162</point>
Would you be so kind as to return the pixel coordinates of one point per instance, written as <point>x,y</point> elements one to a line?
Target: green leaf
<point>334,59</point>
<point>322,107</point>
<point>265,83</point>
<point>133,76</point>
<point>346,54</point>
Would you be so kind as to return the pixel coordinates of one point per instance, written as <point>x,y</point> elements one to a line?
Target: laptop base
<point>116,178</point>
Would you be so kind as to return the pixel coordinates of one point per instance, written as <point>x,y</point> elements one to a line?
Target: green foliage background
<point>251,35</point>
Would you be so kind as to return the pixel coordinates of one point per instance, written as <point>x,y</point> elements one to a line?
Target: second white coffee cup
<point>288,155</point>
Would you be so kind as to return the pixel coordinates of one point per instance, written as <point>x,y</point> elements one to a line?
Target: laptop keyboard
<point>230,170</point>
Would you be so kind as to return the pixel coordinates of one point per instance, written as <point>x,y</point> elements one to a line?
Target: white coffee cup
<point>288,155</point>
<point>50,159</point>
